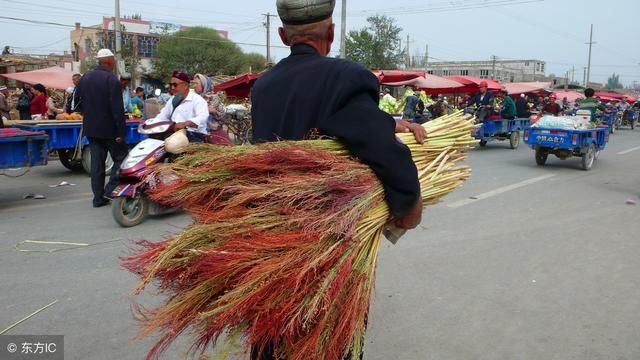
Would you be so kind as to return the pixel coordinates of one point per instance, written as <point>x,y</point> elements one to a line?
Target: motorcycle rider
<point>186,109</point>
<point>483,101</point>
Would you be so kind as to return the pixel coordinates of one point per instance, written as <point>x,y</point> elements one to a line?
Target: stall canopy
<point>239,87</point>
<point>472,83</point>
<point>518,88</point>
<point>571,96</point>
<point>53,77</point>
<point>431,84</point>
<point>613,96</point>
<point>388,77</point>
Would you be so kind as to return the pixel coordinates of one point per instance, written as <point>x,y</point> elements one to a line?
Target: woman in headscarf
<point>204,87</point>
<point>39,102</point>
<point>52,110</point>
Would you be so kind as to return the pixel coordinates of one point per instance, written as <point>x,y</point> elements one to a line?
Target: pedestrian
<point>38,107</point>
<point>100,100</point>
<point>4,105</point>
<point>388,103</point>
<point>308,93</point>
<point>411,102</point>
<point>522,107</point>
<point>204,87</point>
<point>70,104</point>
<point>125,80</point>
<point>24,102</point>
<point>186,109</point>
<point>138,98</point>
<point>52,110</point>
<point>551,106</point>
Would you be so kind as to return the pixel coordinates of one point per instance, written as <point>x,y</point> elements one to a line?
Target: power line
<point>456,7</point>
<point>50,23</point>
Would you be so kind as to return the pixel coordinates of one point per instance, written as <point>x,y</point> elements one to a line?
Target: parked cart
<point>65,138</point>
<point>22,149</point>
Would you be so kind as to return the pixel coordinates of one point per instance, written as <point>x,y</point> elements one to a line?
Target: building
<point>142,35</point>
<point>501,70</point>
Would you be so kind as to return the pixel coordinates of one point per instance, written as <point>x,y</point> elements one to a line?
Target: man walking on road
<point>100,98</point>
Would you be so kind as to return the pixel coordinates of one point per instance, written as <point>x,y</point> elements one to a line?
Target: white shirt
<point>193,108</point>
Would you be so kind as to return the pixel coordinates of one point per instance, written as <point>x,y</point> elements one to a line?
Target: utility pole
<point>408,61</point>
<point>343,31</point>
<point>584,76</point>
<point>426,57</point>
<point>573,73</point>
<point>267,24</point>
<point>589,63</point>
<point>493,67</point>
<point>118,44</point>
<point>566,82</point>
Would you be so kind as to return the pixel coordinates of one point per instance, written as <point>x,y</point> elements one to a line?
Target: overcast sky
<point>551,30</point>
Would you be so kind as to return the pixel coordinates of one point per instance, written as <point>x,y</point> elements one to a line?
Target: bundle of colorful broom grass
<point>283,250</point>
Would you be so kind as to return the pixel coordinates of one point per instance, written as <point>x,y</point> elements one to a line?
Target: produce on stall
<point>285,242</point>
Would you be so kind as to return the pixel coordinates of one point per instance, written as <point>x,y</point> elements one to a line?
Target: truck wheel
<point>67,160</point>
<point>589,157</point>
<point>483,143</point>
<point>541,157</point>
<point>514,139</point>
<point>86,162</point>
<point>128,212</point>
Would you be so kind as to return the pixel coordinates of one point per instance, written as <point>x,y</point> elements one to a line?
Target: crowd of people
<point>416,106</point>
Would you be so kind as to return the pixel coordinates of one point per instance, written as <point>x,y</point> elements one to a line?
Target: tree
<point>614,82</point>
<point>376,46</point>
<point>201,50</point>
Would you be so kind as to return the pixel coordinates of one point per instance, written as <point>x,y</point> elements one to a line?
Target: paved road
<point>542,263</point>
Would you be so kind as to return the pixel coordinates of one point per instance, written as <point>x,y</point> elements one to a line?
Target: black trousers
<point>99,150</point>
<point>25,115</point>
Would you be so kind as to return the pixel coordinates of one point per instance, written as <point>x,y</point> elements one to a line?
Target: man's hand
<point>186,124</point>
<point>403,126</point>
<point>119,140</point>
<point>412,219</point>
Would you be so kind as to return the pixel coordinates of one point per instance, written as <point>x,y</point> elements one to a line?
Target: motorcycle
<point>131,204</point>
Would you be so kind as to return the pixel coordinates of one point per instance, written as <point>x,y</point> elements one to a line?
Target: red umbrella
<point>431,84</point>
<point>53,77</point>
<point>571,96</point>
<point>239,87</point>
<point>472,83</point>
<point>386,77</point>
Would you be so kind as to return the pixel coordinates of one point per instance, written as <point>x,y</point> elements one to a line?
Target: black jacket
<point>522,108</point>
<point>487,100</point>
<point>338,98</point>
<point>99,98</point>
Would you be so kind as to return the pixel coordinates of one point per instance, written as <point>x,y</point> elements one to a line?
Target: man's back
<point>100,99</point>
<point>302,92</point>
<point>306,92</point>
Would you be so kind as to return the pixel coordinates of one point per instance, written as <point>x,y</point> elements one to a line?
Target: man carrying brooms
<point>308,93</point>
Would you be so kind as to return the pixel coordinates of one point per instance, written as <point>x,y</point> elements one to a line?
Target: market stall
<point>431,84</point>
<point>54,77</point>
<point>472,83</point>
<point>239,87</point>
<point>537,88</point>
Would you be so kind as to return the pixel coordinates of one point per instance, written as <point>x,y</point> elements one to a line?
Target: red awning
<point>472,83</point>
<point>518,88</point>
<point>387,77</point>
<point>431,84</point>
<point>239,87</point>
<point>53,77</point>
<point>571,96</point>
<point>612,96</point>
